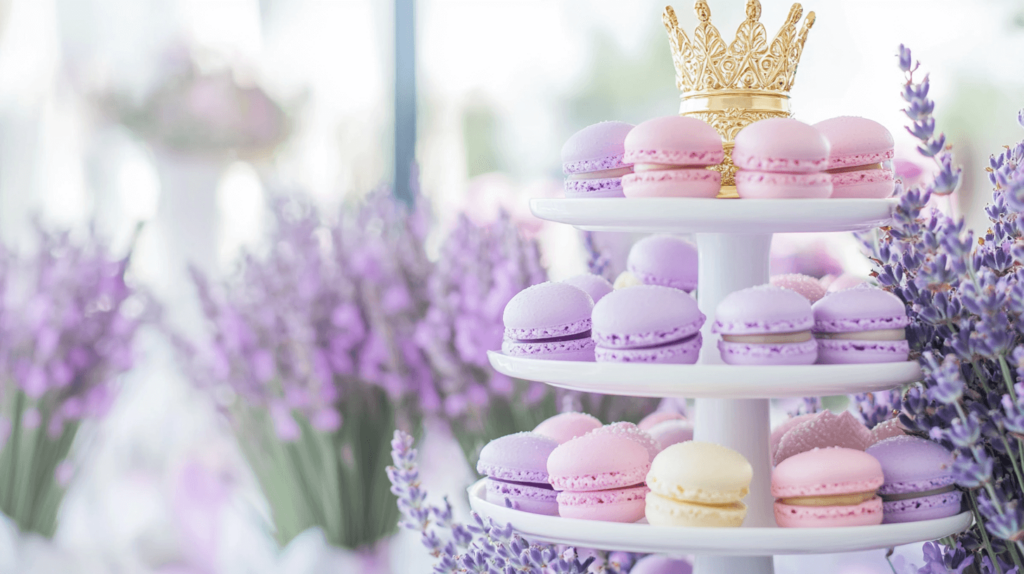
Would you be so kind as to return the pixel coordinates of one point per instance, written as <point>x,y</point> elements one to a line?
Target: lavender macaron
<point>594,285</point>
<point>861,325</point>
<point>765,325</point>
<point>918,480</point>
<point>592,160</point>
<point>664,260</point>
<point>549,321</point>
<point>516,467</point>
<point>648,324</point>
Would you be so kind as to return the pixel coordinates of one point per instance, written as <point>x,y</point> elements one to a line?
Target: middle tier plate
<point>709,381</point>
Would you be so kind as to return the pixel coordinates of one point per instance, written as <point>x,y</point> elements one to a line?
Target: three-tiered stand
<point>733,240</point>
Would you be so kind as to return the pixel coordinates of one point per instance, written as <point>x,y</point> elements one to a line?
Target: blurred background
<point>192,117</point>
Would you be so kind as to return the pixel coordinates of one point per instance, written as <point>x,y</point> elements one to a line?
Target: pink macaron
<point>659,417</point>
<point>860,160</point>
<point>781,158</point>
<point>805,285</point>
<point>564,427</point>
<point>670,156</point>
<point>827,488</point>
<point>592,160</point>
<point>600,476</point>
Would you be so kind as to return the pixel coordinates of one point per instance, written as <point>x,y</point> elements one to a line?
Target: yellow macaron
<point>698,484</point>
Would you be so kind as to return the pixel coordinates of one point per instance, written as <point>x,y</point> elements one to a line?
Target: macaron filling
<point>830,500</point>
<point>846,169</point>
<point>561,339</point>
<point>602,174</point>
<point>574,330</point>
<point>912,495</point>
<point>873,335</point>
<point>642,167</point>
<point>770,338</point>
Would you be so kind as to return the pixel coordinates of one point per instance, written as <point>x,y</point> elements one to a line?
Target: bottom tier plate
<point>642,537</point>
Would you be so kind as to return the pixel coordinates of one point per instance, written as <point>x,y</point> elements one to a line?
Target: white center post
<point>729,262</point>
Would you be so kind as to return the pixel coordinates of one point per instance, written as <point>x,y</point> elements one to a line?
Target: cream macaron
<point>698,484</point>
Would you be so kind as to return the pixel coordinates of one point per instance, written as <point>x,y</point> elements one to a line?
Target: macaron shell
<point>700,472</point>
<point>666,260</point>
<point>532,499</point>
<point>564,427</point>
<point>887,429</point>
<point>683,353</point>
<point>668,433</point>
<point>855,141</point>
<point>822,430</point>
<point>780,145</point>
<point>862,308</point>
<point>924,508</point>
<point>912,464</point>
<point>632,432</point>
<point>805,285</point>
<point>805,353</point>
<point>574,350</point>
<point>584,188</point>
<point>618,505</point>
<point>547,310</point>
<point>658,417</point>
<point>645,316</point>
<point>598,462</point>
<point>763,309</point>
<point>848,352</point>
<point>866,184</point>
<point>827,471</point>
<point>868,513</point>
<point>663,511</point>
<point>596,147</point>
<point>785,426</point>
<point>519,457</point>
<point>704,183</point>
<point>657,564</point>
<point>765,185</point>
<point>674,140</point>
<point>594,285</point>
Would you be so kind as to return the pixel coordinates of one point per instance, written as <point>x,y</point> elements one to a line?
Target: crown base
<point>748,100</point>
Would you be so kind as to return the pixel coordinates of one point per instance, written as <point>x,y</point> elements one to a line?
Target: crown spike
<point>702,10</point>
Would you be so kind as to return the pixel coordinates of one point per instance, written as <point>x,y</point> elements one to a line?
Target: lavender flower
<point>965,299</point>
<point>68,318</point>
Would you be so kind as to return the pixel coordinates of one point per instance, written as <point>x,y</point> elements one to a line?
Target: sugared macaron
<point>805,285</point>
<point>658,564</point>
<point>765,325</point>
<point>887,429</point>
<point>631,431</point>
<point>827,487</point>
<point>671,432</point>
<point>600,476</point>
<point>592,160</point>
<point>648,324</point>
<point>564,427</point>
<point>861,325</point>
<point>698,484</point>
<point>818,430</point>
<point>666,260</point>
<point>594,285</point>
<point>656,417</point>
<point>918,479</point>
<point>833,283</point>
<point>549,321</point>
<point>516,468</point>
<point>781,158</point>
<point>860,157</point>
<point>670,155</point>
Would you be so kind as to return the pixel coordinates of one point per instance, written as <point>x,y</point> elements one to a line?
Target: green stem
<point>981,377</point>
<point>980,523</point>
<point>1007,377</point>
<point>1015,557</point>
<point>1014,463</point>
<point>13,441</point>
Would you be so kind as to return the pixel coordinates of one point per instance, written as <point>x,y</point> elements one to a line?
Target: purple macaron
<point>918,480</point>
<point>592,160</point>
<point>516,467</point>
<point>648,324</point>
<point>595,285</point>
<point>549,321</point>
<point>861,325</point>
<point>657,564</point>
<point>664,260</point>
<point>765,325</point>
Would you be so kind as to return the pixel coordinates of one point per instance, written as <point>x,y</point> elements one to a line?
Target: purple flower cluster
<point>68,321</point>
<point>482,546</point>
<point>965,299</point>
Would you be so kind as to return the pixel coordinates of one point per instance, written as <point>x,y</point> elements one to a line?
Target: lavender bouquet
<point>480,268</point>
<point>311,355</point>
<point>68,321</point>
<point>965,297</point>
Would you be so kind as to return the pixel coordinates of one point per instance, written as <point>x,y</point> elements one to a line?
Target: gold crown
<point>730,86</point>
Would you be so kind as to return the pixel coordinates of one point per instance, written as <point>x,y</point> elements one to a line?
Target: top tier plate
<point>687,215</point>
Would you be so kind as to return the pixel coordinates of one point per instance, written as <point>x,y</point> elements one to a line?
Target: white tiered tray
<point>642,537</point>
<point>668,214</point>
<point>709,380</point>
